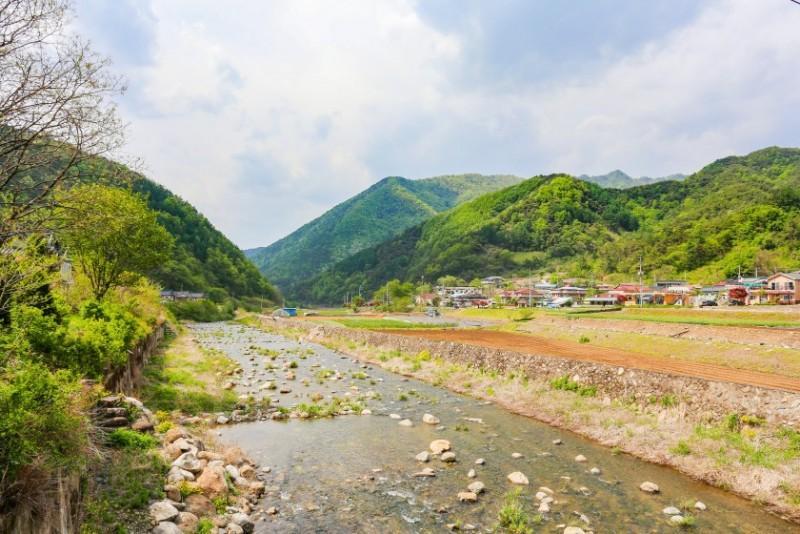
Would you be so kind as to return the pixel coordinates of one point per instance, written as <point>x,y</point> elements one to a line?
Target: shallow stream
<point>354,473</point>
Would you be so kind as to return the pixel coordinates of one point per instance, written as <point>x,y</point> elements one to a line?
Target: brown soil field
<point>542,346</point>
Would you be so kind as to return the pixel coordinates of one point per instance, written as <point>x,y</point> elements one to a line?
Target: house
<point>492,281</point>
<point>573,292</point>
<point>632,293</point>
<point>527,296</point>
<point>427,299</point>
<point>170,295</point>
<point>602,300</point>
<point>783,288</point>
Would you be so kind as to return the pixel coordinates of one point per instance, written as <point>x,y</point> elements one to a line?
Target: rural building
<point>171,296</point>
<point>783,288</point>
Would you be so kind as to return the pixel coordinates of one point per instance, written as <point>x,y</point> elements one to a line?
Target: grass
<point>701,317</point>
<point>512,517</point>
<point>123,438</point>
<point>681,449</point>
<point>565,383</point>
<point>330,409</point>
<point>749,444</point>
<point>380,324</point>
<point>183,377</point>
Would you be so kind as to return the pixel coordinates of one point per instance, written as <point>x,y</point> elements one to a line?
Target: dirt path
<point>541,346</point>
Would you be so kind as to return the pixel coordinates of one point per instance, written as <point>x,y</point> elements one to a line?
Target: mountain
<point>619,180</point>
<point>203,259</point>
<point>738,211</point>
<point>380,212</point>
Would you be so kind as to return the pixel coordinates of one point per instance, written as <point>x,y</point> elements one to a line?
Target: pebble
<point>671,510</point>
<point>700,506</point>
<point>423,457</point>
<point>574,530</point>
<point>580,458</point>
<point>427,472</point>
<point>480,461</point>
<point>594,471</point>
<point>439,446</point>
<point>394,416</point>
<point>516,455</point>
<point>649,487</point>
<point>430,419</point>
<point>557,442</point>
<point>471,473</point>
<point>406,422</point>
<point>543,508</point>
<point>476,487</point>
<point>518,478</point>
<point>366,411</point>
<point>467,496</point>
<point>677,519</point>
<point>272,510</point>
<point>449,457</point>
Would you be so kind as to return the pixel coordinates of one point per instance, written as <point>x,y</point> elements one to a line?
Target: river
<point>353,473</point>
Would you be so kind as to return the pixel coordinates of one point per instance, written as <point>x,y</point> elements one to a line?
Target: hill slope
<point>203,258</point>
<point>737,211</point>
<point>374,215</point>
<point>619,180</point>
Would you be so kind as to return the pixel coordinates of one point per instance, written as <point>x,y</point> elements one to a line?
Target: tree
<point>112,234</point>
<point>54,111</point>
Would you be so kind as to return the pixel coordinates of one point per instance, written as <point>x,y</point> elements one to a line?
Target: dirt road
<point>541,346</point>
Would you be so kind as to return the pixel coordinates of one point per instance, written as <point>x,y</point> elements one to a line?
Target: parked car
<point>432,312</point>
<point>707,303</point>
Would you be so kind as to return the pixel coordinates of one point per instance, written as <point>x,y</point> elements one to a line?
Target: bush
<point>41,424</point>
<point>204,311</point>
<point>564,383</point>
<point>124,438</point>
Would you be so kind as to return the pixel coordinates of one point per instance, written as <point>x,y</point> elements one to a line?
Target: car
<point>707,303</point>
<point>432,312</point>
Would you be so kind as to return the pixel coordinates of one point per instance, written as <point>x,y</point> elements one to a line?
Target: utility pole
<point>530,287</point>
<point>641,288</point>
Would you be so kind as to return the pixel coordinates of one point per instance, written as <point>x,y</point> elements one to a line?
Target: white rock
<point>448,457</point>
<point>406,422</point>
<point>243,521</point>
<point>671,510</point>
<point>574,530</point>
<point>222,420</point>
<point>423,457</point>
<point>427,472</point>
<point>594,471</point>
<point>467,496</point>
<point>429,419</point>
<point>540,495</point>
<point>366,411</point>
<point>518,478</point>
<point>438,446</point>
<point>167,527</point>
<point>394,416</point>
<point>677,519</point>
<point>476,487</point>
<point>163,511</point>
<point>471,473</point>
<point>649,487</point>
<point>557,442</point>
<point>700,506</point>
<point>544,507</point>
<point>580,458</point>
<point>480,461</point>
<point>516,455</point>
<point>189,462</point>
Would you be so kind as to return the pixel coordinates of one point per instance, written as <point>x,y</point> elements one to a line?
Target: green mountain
<point>738,211</point>
<point>374,215</point>
<point>203,258</point>
<point>619,180</point>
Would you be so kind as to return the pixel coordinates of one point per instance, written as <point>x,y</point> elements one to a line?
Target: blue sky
<point>264,114</point>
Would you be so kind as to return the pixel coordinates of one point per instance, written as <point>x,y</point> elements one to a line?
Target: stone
<point>243,521</point>
<point>649,487</point>
<point>233,528</point>
<point>406,422</point>
<point>284,390</point>
<point>516,455</point>
<point>430,419</point>
<point>471,473</point>
<point>182,444</point>
<point>448,457</point>
<point>467,496</point>
<point>544,507</point>
<point>247,471</point>
<point>580,458</point>
<point>439,446</point>
<point>222,420</point>
<point>423,457</point>
<point>163,511</point>
<point>366,411</point>
<point>394,416</point>
<point>188,462</point>
<point>540,495</point>
<point>142,424</point>
<point>187,522</point>
<point>477,487</point>
<point>209,455</point>
<point>426,472</point>
<point>480,461</point>
<point>199,505</point>
<point>271,510</point>
<point>232,471</point>
<point>671,510</point>
<point>212,481</point>
<point>166,527</point>
<point>574,530</point>
<point>594,470</point>
<point>518,478</point>
<point>557,442</point>
<point>700,506</point>
<point>257,487</point>
<point>172,492</point>
<point>676,519</point>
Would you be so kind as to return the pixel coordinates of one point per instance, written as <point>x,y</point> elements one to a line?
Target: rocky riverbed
<point>352,448</point>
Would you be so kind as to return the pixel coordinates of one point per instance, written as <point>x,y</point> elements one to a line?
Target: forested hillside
<point>374,215</point>
<point>738,211</point>
<point>203,258</point>
<point>619,180</point>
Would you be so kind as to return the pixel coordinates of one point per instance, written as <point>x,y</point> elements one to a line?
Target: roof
<point>795,275</point>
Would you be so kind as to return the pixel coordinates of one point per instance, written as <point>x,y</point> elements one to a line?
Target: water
<point>353,473</point>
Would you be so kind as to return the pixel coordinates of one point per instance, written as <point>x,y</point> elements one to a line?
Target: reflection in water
<point>354,473</point>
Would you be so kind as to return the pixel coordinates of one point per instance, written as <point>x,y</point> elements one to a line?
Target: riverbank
<point>740,452</point>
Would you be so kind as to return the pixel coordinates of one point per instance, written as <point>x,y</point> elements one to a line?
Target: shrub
<point>584,339</point>
<point>124,438</point>
<point>512,516</point>
<point>204,310</point>
<point>565,383</point>
<point>681,449</point>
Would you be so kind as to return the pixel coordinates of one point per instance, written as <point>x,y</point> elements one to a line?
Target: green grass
<point>376,324</point>
<point>124,438</point>
<point>698,317</point>
<point>512,517</point>
<point>565,383</point>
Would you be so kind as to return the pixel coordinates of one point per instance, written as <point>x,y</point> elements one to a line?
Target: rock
<point>467,496</point>
<point>476,487</point>
<point>163,511</point>
<point>232,471</point>
<point>271,510</point>
<point>649,487</point>
<point>172,492</point>
<point>574,530</point>
<point>188,462</point>
<point>700,506</point>
<point>142,424</point>
<point>557,442</point>
<point>233,528</point>
<point>671,510</point>
<point>518,478</point>
<point>233,456</point>
<point>257,487</point>
<point>187,522</point>
<point>182,444</point>
<point>166,527</point>
<point>222,420</point>
<point>171,452</point>
<point>426,472</point>
<point>247,471</point>
<point>406,422</point>
<point>480,461</point>
<point>366,411</point>
<point>199,505</point>
<point>594,471</point>
<point>471,473</point>
<point>516,455</point>
<point>544,507</point>
<point>546,490</point>
<point>209,455</point>
<point>438,446</point>
<point>423,457</point>
<point>212,481</point>
<point>448,457</point>
<point>243,521</point>
<point>580,458</point>
<point>284,390</point>
<point>429,419</point>
<point>394,416</point>
<point>677,519</point>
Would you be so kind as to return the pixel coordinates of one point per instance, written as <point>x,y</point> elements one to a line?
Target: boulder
<point>174,433</point>
<point>187,522</point>
<point>188,462</point>
<point>142,424</point>
<point>580,458</point>
<point>172,492</point>
<point>649,487</point>
<point>430,419</point>
<point>518,478</point>
<point>448,457</point>
<point>423,457</point>
<point>166,527</point>
<point>233,528</point>
<point>476,487</point>
<point>163,511</point>
<point>222,420</point>
<point>467,496</point>
<point>439,446</point>
<point>212,481</point>
<point>199,505</point>
<point>243,521</point>
<point>671,510</point>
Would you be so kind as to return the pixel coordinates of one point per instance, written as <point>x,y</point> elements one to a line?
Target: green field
<point>703,317</point>
<point>379,324</point>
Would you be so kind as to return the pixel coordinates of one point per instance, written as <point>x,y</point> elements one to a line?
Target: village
<point>780,288</point>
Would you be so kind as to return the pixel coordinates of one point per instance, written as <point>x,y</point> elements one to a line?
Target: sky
<point>264,114</point>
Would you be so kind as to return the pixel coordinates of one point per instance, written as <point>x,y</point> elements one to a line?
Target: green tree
<point>112,234</point>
